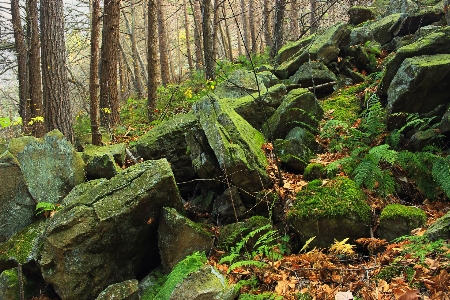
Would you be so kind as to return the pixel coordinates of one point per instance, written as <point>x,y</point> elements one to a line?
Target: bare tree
<point>314,21</point>
<point>93,80</point>
<point>278,26</point>
<point>208,40</point>
<point>163,47</point>
<point>188,37</point>
<point>58,112</point>
<point>152,59</point>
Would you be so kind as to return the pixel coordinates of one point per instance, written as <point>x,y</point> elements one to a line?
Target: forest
<point>227,149</point>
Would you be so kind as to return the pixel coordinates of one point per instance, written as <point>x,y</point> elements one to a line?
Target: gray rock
<point>205,284</point>
<point>179,237</point>
<point>118,151</point>
<point>51,166</point>
<point>167,140</point>
<point>291,48</point>
<point>17,207</point>
<point>228,207</point>
<point>313,74</point>
<point>299,109</point>
<point>101,166</point>
<point>10,286</point>
<point>235,143</point>
<point>419,19</point>
<point>420,85</point>
<point>439,229</point>
<point>360,14</point>
<point>81,189</point>
<point>126,290</point>
<point>233,233</point>
<point>109,233</point>
<point>397,220</point>
<point>435,43</point>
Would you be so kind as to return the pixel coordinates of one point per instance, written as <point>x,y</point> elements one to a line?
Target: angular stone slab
<point>126,290</point>
<point>109,233</point>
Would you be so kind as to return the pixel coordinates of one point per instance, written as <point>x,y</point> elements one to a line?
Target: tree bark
<point>278,32</point>
<point>314,24</point>
<point>198,35</point>
<point>152,59</point>
<point>34,69</point>
<point>93,79</point>
<point>21,54</point>
<point>227,31</point>
<point>251,19</point>
<point>293,15</point>
<point>58,111</point>
<point>208,40</point>
<point>267,24</point>
<point>109,98</point>
<point>188,38</point>
<point>245,25</point>
<point>163,48</point>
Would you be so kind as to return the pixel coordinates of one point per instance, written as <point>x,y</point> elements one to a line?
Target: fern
<point>441,173</point>
<point>247,263</point>
<point>373,119</point>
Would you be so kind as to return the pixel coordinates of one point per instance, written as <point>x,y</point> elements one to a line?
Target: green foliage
<point>185,267</point>
<point>262,296</point>
<point>303,296</point>
<point>257,60</point>
<point>420,247</point>
<point>46,207</point>
<point>7,122</point>
<point>404,212</point>
<point>441,173</point>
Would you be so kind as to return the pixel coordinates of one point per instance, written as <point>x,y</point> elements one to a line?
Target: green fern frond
<point>366,174</point>
<point>441,173</point>
<point>383,153</point>
<point>247,263</point>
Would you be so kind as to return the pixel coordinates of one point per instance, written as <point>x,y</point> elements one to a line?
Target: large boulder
<point>51,166</point>
<point>228,207</point>
<point>420,86</point>
<point>235,143</point>
<point>419,19</point>
<point>333,211</point>
<point>167,140</point>
<point>437,42</point>
<point>17,207</point>
<point>126,290</point>
<point>381,31</point>
<point>179,237</point>
<point>313,74</point>
<point>360,14</point>
<point>397,220</point>
<point>439,229</point>
<point>299,109</point>
<point>108,234</point>
<point>291,48</point>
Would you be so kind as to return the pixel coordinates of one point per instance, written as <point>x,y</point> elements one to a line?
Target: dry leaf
<point>410,295</point>
<point>343,296</point>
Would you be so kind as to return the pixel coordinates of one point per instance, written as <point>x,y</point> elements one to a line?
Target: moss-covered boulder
<point>397,220</point>
<point>117,151</point>
<point>109,233</point>
<point>167,140</point>
<point>335,210</point>
<point>51,166</point>
<point>228,207</point>
<point>291,48</point>
<point>437,42</point>
<point>420,86</point>
<point>314,171</point>
<point>233,233</point>
<point>360,14</point>
<point>126,290</point>
<point>235,143</point>
<point>10,286</point>
<point>258,107</point>
<point>299,109</point>
<point>419,19</point>
<point>381,31</point>
<point>17,207</point>
<point>101,166</point>
<point>313,74</point>
<point>179,237</point>
<point>295,151</point>
<point>439,229</point>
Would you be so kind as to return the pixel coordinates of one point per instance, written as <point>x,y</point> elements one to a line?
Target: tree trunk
<point>267,24</point>
<point>58,112</point>
<point>163,47</point>
<point>34,69</point>
<point>251,18</point>
<point>93,73</point>
<point>21,53</point>
<point>215,27</point>
<point>208,40</point>
<point>188,38</point>
<point>278,31</point>
<point>195,6</point>
<point>293,15</point>
<point>314,22</point>
<point>152,59</point>
<point>109,98</point>
<point>245,25</point>
<point>125,73</point>
<point>227,31</point>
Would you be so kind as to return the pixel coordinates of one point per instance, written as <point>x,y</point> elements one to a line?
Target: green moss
<point>397,211</point>
<point>22,246</point>
<point>313,171</point>
<point>337,198</point>
<point>344,104</point>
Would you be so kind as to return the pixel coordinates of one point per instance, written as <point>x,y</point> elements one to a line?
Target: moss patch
<point>398,211</point>
<point>337,198</point>
<point>343,105</point>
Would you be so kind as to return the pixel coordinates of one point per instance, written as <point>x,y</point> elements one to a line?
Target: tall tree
<point>244,23</point>
<point>188,37</point>
<point>34,69</point>
<point>266,23</point>
<point>93,80</point>
<point>293,16</point>
<point>198,35</point>
<point>21,53</point>
<point>278,26</point>
<point>208,40</point>
<point>163,47</point>
<point>314,22</point>
<point>109,98</point>
<point>251,18</point>
<point>58,112</point>
<point>152,59</point>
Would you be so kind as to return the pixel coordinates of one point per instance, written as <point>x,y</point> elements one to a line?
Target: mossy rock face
<point>118,151</point>
<point>10,287</point>
<point>326,46</point>
<point>360,14</point>
<point>126,290</point>
<point>51,166</point>
<point>258,107</point>
<point>228,207</point>
<point>397,220</point>
<point>81,189</point>
<point>435,43</point>
<point>419,19</point>
<point>299,109</point>
<point>291,48</point>
<point>313,171</point>
<point>335,210</point>
<point>101,166</point>
<point>109,233</point>
<point>233,233</point>
<point>439,229</point>
<point>235,143</point>
<point>17,207</point>
<point>420,86</point>
<point>314,73</point>
<point>381,31</point>
<point>167,140</point>
<point>179,237</point>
